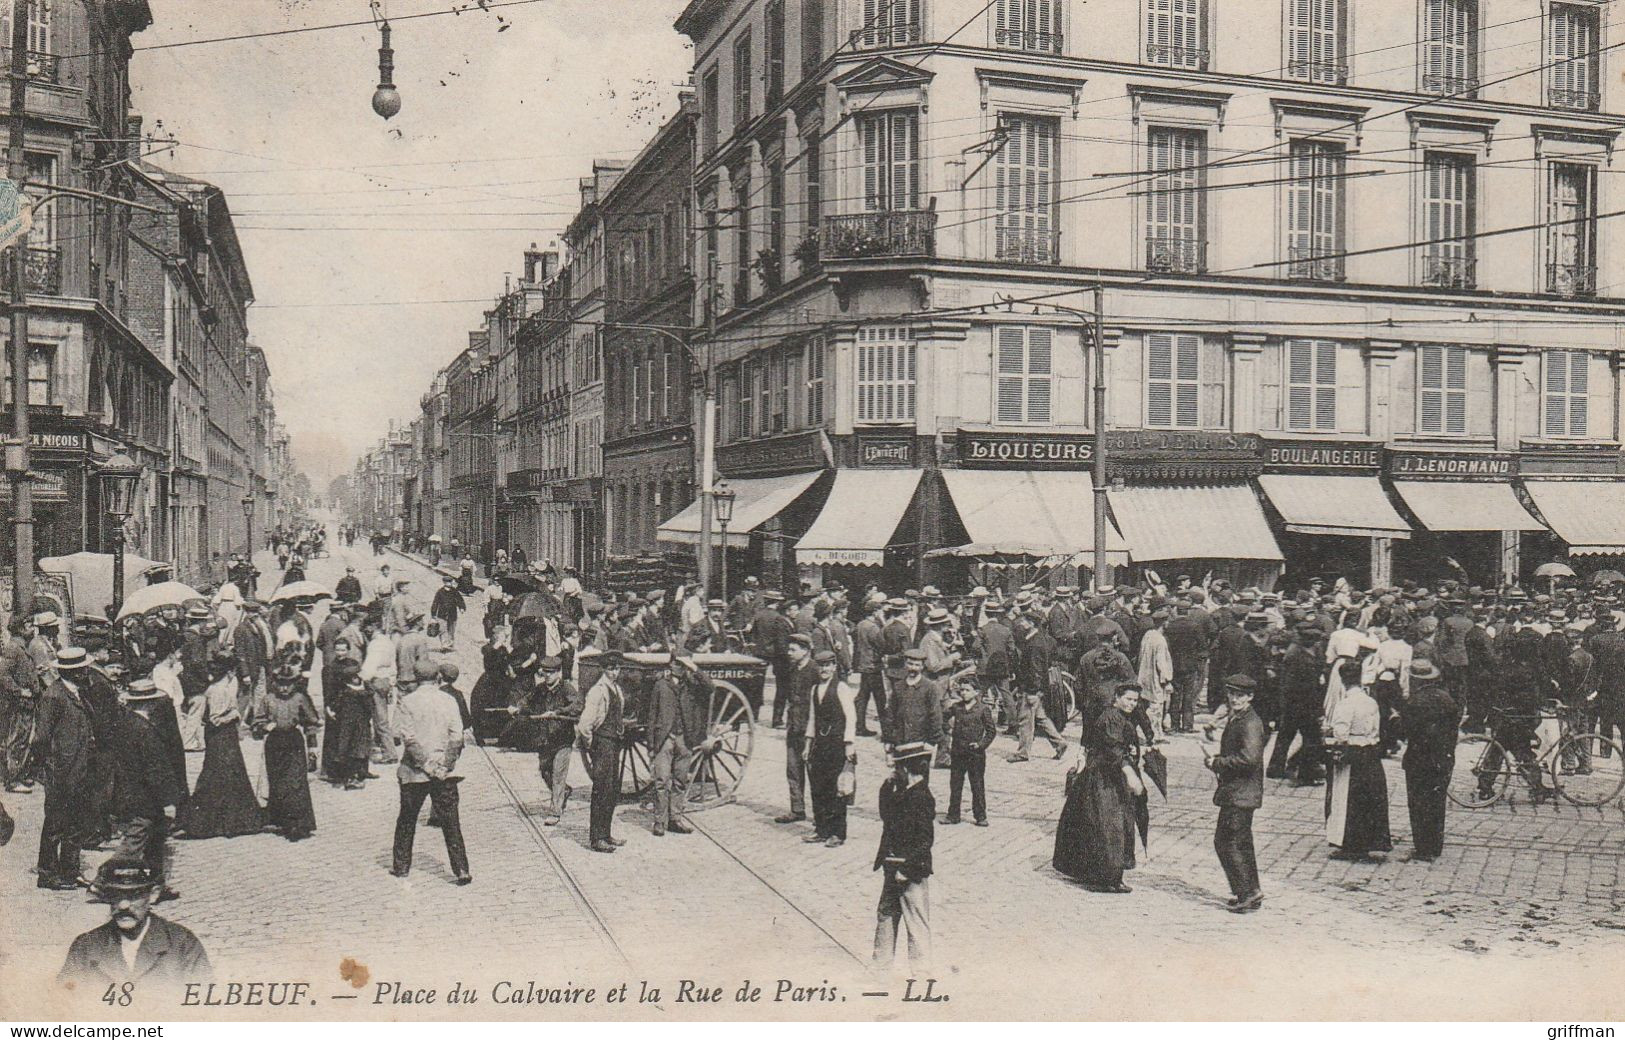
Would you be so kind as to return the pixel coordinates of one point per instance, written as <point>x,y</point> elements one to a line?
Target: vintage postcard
<point>813,510</point>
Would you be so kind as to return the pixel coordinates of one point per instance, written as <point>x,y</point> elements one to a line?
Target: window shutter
<point>1455,382</point>
<point>1039,375</point>
<point>1157,27</point>
<point>1300,372</point>
<point>1557,385</point>
<point>1300,37</point>
<point>812,34</point>
<point>872,130</point>
<point>1563,48</point>
<point>1215,362</point>
<point>1012,361</point>
<point>1326,385</point>
<point>871,15</point>
<point>1159,380</point>
<point>1431,389</point>
<point>1579,389</point>
<point>1187,374</point>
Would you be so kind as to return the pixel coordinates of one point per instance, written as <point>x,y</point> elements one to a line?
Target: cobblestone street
<point>1521,913</point>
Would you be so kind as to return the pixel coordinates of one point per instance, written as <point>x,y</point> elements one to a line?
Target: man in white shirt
<point>831,749</point>
<point>378,674</point>
<point>598,732</point>
<point>432,730</point>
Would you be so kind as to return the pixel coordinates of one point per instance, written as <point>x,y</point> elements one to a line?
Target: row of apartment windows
<point>1185,384</point>
<point>649,257</point>
<point>775,391</point>
<point>1176,213</point>
<point>1177,35</point>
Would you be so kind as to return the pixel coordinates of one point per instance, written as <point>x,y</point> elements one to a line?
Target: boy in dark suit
<point>970,721</point>
<point>1239,765</point>
<point>906,814</point>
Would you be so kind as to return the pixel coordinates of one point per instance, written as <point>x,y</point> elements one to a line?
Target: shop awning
<point>757,502</point>
<point>859,518</point>
<point>1460,505</point>
<point>1026,513</point>
<point>1587,514</point>
<point>1184,523</point>
<point>1314,504</point>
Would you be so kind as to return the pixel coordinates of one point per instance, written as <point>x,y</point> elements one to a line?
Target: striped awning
<point>1187,523</point>
<point>1031,513</point>
<point>1587,514</point>
<point>1460,505</point>
<point>756,502</point>
<point>1317,504</point>
<point>859,518</point>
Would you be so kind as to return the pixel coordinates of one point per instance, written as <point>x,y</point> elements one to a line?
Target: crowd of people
<point>1312,688</point>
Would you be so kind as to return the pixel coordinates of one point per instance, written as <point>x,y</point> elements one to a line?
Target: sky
<point>374,247</point>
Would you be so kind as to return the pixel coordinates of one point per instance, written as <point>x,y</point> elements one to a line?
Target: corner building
<point>1361,304</point>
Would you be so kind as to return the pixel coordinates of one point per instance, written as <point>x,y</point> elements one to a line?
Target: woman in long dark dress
<point>286,718</point>
<point>1094,841</point>
<point>223,803</point>
<point>1357,789</point>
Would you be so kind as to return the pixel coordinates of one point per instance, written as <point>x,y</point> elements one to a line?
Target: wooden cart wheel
<point>637,771</point>
<point>720,760</point>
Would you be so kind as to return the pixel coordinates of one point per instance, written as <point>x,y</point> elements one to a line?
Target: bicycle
<point>1584,769</point>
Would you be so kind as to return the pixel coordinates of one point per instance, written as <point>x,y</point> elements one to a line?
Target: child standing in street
<point>970,722</point>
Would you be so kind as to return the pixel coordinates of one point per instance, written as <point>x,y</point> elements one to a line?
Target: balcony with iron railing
<point>1175,254</point>
<point>44,67</point>
<point>1334,73</point>
<point>1176,57</point>
<point>44,270</point>
<point>1571,279</point>
<point>1028,40</point>
<point>898,35</point>
<point>883,233</point>
<point>1310,265</point>
<point>1458,86</point>
<point>1573,99</point>
<point>1027,246</point>
<point>1449,270</point>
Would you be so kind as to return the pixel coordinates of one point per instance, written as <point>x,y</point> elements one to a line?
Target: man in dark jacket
<point>970,731</point>
<point>1239,765</point>
<point>1431,722</point>
<point>1036,652</point>
<point>167,956</point>
<point>770,631</point>
<point>914,710</point>
<point>907,812</point>
<point>1188,646</point>
<point>868,660</point>
<point>676,725</point>
<point>896,636</point>
<point>995,659</point>
<point>1303,696</point>
<point>559,697</point>
<point>348,589</point>
<point>64,743</point>
<point>447,606</point>
<point>797,705</point>
<point>144,781</point>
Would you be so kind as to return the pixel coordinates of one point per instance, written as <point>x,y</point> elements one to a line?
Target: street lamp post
<point>248,519</point>
<point>722,503</point>
<point>119,477</point>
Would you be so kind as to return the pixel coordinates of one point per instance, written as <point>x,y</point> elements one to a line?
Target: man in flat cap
<point>599,732</point>
<point>770,630</point>
<point>134,945</point>
<point>803,677</point>
<point>1303,693</point>
<point>1239,766</point>
<point>555,695</point>
<point>676,725</point>
<point>831,749</point>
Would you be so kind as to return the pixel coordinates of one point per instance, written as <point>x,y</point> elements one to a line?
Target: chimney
<point>132,130</point>
<point>533,261</point>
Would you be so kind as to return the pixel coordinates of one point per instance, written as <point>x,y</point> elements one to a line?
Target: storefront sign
<point>1569,459</point>
<point>1025,451</point>
<point>48,486</point>
<point>795,453</point>
<point>1132,443</point>
<point>1184,455</point>
<point>842,557</point>
<point>880,452</point>
<point>1455,465</point>
<point>1320,455</point>
<point>56,441</point>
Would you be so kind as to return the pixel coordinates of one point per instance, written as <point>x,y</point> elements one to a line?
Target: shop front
<point>1020,508</point>
<point>779,488</point>
<point>1578,491</point>
<point>1469,524</point>
<point>60,460</point>
<point>870,526</point>
<point>1184,503</point>
<point>1333,517</point>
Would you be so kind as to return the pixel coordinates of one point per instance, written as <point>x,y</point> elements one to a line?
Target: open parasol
<point>1607,578</point>
<point>1554,570</point>
<point>300,590</point>
<point>533,604</point>
<point>151,597</point>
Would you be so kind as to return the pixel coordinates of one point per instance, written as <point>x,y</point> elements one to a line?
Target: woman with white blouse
<point>1357,794</point>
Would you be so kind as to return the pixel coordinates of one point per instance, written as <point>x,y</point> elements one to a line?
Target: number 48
<point>119,993</point>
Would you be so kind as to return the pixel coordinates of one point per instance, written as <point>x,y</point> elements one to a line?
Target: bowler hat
<point>122,874</point>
